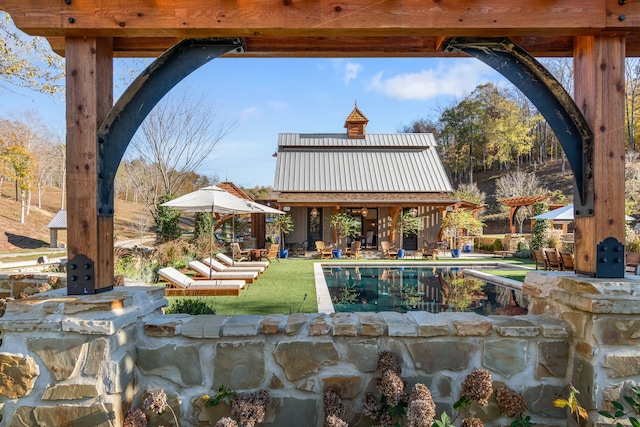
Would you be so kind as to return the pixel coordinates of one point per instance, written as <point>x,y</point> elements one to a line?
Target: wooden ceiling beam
<point>333,47</point>
<point>357,18</point>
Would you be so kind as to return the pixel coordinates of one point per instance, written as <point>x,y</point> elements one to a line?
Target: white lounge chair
<point>204,272</point>
<point>225,259</point>
<point>179,284</point>
<point>220,267</point>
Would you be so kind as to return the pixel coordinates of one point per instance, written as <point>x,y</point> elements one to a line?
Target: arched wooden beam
<point>551,99</point>
<point>138,100</point>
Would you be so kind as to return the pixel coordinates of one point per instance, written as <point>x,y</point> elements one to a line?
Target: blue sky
<point>265,97</point>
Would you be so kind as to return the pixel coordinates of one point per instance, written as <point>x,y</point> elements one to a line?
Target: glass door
<point>314,230</point>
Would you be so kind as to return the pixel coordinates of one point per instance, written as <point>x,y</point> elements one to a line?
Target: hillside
<point>34,234</point>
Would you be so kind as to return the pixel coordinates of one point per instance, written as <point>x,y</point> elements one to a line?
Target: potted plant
<point>458,220</point>
<point>284,223</point>
<point>345,225</point>
<point>408,223</point>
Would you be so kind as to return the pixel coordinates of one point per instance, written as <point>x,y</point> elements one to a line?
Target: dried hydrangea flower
<point>421,413</point>
<point>478,386</point>
<point>387,361</point>
<point>472,422</point>
<point>386,420</point>
<point>251,409</point>
<point>226,422</point>
<point>371,405</point>
<point>333,404</point>
<point>334,421</point>
<point>391,386</point>
<point>156,401</point>
<point>135,418</point>
<point>420,392</point>
<point>510,403</point>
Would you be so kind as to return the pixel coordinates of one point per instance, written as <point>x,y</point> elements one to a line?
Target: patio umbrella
<point>564,214</point>
<point>216,200</point>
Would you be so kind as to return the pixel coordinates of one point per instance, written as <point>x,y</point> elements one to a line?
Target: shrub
<point>193,306</point>
<point>497,245</point>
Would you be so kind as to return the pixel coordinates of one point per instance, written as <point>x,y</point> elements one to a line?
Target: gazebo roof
<point>522,200</point>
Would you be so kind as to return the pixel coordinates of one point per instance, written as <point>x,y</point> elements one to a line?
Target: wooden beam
<point>230,18</point>
<point>89,69</point>
<point>599,80</point>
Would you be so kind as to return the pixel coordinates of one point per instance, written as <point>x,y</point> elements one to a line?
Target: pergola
<point>519,202</point>
<point>506,34</point>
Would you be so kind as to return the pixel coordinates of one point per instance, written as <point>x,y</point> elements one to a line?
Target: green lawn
<point>288,286</point>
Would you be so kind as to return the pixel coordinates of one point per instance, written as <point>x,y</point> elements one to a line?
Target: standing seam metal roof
<point>378,163</point>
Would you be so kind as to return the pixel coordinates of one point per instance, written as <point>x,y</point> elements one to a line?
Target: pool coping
<point>325,305</point>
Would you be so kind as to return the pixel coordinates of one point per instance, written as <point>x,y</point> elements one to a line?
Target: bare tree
<point>518,184</point>
<point>174,141</point>
<point>141,222</point>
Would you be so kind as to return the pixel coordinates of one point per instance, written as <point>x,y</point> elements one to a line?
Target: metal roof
<point>59,221</point>
<point>378,163</point>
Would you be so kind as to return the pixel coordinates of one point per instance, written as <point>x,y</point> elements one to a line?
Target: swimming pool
<point>434,289</point>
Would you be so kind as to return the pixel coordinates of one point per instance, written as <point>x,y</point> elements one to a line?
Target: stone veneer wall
<point>81,361</point>
<point>13,284</point>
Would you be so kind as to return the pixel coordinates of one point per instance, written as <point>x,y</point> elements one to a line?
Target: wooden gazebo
<point>506,34</point>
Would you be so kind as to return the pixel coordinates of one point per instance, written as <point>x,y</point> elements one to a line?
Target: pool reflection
<point>402,289</point>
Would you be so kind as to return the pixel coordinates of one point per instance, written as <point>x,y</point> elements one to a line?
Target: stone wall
<point>14,284</point>
<point>82,361</point>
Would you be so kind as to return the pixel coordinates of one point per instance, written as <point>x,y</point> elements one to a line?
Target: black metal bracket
<point>81,276</point>
<point>550,98</point>
<point>610,262</point>
<point>138,100</point>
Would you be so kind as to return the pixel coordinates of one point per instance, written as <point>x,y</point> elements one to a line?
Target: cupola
<point>356,124</point>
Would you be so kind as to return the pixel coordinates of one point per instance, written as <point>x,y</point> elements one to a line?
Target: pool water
<point>432,289</point>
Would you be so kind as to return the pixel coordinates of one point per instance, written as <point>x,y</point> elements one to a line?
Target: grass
<point>288,286</point>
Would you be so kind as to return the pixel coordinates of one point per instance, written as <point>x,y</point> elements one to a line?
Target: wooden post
<point>89,85</point>
<point>599,84</point>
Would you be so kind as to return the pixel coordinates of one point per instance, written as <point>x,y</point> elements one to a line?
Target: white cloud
<point>248,113</point>
<point>456,80</point>
<point>351,70</point>
<point>347,70</point>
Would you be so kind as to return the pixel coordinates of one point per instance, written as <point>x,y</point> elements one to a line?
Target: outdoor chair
<point>631,262</point>
<point>388,251</point>
<point>539,259</point>
<point>323,250</point>
<point>353,250</point>
<point>221,268</point>
<point>368,239</point>
<point>431,250</point>
<point>203,271</point>
<point>301,249</point>
<point>273,252</point>
<point>237,253</point>
<point>226,260</point>
<point>553,259</point>
<point>566,259</point>
<point>179,284</point>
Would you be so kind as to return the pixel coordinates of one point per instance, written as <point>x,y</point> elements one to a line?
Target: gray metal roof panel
<point>387,167</point>
<point>331,140</point>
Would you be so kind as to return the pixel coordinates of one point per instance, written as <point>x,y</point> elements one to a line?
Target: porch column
<point>89,67</point>
<point>599,86</point>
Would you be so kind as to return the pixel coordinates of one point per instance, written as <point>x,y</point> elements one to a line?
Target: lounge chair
<point>387,251</point>
<point>566,259</point>
<point>353,250</point>
<point>553,259</point>
<point>204,272</point>
<point>225,259</point>
<point>323,250</point>
<point>540,259</point>
<point>220,267</point>
<point>179,284</point>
